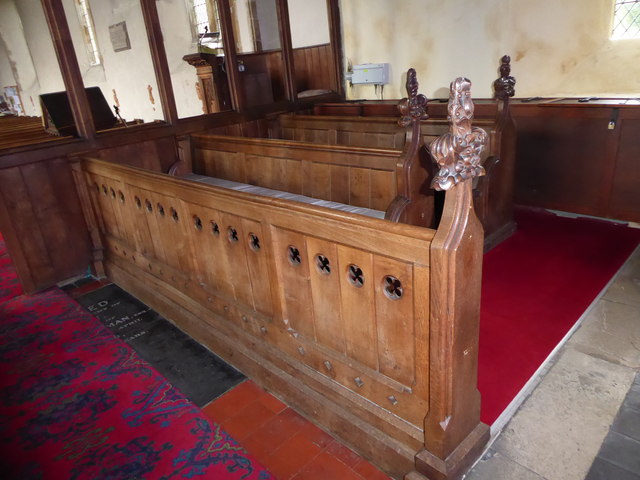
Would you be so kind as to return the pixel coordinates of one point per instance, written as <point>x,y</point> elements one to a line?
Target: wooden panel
<point>232,234</point>
<point>145,240</point>
<point>325,290</point>
<point>45,229</point>
<point>358,306</point>
<point>210,249</point>
<point>256,251</point>
<point>321,187</point>
<point>173,242</point>
<point>294,281</point>
<point>123,215</point>
<point>625,193</point>
<point>359,187</point>
<point>562,159</point>
<point>156,155</point>
<point>146,217</point>
<point>100,191</point>
<point>340,183</point>
<point>227,165</point>
<point>25,223</point>
<point>383,189</point>
<point>394,294</point>
<point>421,302</point>
<point>55,206</point>
<point>313,68</point>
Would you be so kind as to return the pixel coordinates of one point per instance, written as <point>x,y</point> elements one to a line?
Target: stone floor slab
<point>621,451</point>
<point>611,331</point>
<point>626,287</point>
<point>495,466</point>
<point>603,470</point>
<point>627,422</point>
<point>559,429</point>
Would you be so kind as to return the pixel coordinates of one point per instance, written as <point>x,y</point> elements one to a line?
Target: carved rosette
<point>414,107</point>
<point>458,153</point>
<point>504,87</point>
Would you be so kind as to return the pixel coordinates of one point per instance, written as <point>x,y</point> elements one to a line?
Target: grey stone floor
<point>559,429</point>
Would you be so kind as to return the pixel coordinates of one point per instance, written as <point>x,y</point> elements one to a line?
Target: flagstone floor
<point>583,418</point>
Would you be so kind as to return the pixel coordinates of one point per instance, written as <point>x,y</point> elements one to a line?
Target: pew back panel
<point>354,176</point>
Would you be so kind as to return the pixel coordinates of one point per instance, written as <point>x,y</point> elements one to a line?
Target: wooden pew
<point>392,180</point>
<point>18,130</point>
<point>367,326</point>
<point>493,193</point>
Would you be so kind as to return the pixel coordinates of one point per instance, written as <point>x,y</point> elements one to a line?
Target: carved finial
<point>504,86</point>
<point>458,152</point>
<point>413,108</point>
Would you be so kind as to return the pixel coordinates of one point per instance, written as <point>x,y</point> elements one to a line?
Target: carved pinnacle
<point>414,107</point>
<point>458,152</point>
<point>504,86</point>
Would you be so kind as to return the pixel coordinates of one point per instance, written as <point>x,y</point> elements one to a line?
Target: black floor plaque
<point>198,373</point>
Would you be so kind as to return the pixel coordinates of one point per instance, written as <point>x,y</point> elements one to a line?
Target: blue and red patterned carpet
<point>78,403</point>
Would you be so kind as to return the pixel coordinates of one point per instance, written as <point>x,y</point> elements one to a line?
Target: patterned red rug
<point>9,284</point>
<point>77,403</point>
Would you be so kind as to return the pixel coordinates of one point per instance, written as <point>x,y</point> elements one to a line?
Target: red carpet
<point>77,403</point>
<point>535,286</point>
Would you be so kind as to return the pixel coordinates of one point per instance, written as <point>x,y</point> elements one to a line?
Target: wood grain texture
<point>494,193</point>
<point>554,134</point>
<point>48,228</point>
<point>346,331</point>
<point>336,173</point>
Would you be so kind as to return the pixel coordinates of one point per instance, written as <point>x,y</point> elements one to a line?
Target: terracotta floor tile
<point>255,446</point>
<point>344,454</point>
<point>316,435</point>
<point>326,467</point>
<point>231,403</point>
<point>271,402</point>
<point>247,420</point>
<point>292,456</point>
<point>369,472</point>
<point>281,428</point>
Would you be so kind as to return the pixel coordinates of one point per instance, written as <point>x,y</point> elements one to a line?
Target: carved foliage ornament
<point>414,108</point>
<point>504,86</point>
<point>458,152</point>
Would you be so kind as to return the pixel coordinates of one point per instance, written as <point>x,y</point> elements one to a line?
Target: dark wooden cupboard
<point>579,156</point>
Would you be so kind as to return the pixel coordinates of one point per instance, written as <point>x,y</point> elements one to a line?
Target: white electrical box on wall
<point>371,73</point>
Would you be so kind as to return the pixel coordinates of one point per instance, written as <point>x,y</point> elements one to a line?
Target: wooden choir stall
<point>318,271</point>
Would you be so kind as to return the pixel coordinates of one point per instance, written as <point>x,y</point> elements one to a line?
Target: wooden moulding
<point>495,191</point>
<point>454,435</point>
<point>97,250</point>
<point>411,205</point>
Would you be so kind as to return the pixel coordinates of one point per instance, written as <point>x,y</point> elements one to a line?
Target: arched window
<point>89,31</point>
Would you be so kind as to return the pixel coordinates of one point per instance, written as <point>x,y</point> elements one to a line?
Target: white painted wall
<point>267,14</point>
<point>178,42</point>
<point>21,71</point>
<point>309,22</point>
<point>43,55</point>
<point>557,48</point>
<point>127,75</point>
<point>6,72</point>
